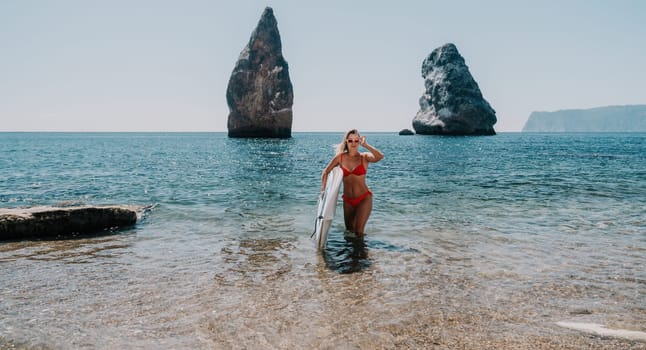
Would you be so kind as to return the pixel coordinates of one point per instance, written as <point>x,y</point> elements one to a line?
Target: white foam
<point>603,331</point>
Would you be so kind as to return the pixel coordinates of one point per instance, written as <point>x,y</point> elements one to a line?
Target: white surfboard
<point>327,207</point>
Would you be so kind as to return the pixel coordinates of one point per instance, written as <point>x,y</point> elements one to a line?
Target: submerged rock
<point>452,103</point>
<point>50,222</point>
<point>259,93</point>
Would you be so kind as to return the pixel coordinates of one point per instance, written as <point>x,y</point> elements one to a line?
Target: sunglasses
<point>353,141</point>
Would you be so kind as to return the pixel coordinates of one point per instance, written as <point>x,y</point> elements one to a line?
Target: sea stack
<point>260,94</point>
<point>452,103</point>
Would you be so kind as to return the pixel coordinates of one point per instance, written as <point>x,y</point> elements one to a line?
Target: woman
<point>357,198</point>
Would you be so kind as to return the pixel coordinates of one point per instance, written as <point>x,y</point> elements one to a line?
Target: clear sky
<point>155,65</point>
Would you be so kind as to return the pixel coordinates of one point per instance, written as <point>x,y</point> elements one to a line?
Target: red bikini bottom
<point>357,200</point>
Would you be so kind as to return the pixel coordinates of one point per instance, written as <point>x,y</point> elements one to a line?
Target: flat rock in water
<point>52,222</point>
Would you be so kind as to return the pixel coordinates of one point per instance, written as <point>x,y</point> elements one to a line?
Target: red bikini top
<point>359,170</point>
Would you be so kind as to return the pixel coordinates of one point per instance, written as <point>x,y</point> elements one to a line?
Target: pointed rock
<point>452,103</point>
<point>259,93</point>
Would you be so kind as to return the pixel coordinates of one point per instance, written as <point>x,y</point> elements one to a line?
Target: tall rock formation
<point>260,94</point>
<point>452,103</point>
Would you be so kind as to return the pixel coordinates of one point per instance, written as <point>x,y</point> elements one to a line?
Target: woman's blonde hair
<point>343,146</point>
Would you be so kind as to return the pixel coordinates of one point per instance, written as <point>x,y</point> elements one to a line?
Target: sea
<point>473,243</point>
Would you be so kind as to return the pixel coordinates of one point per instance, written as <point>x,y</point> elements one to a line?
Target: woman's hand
<point>375,155</point>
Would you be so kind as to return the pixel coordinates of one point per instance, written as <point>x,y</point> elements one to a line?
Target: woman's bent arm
<point>375,155</point>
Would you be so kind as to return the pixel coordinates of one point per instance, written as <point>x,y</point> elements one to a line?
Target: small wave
<point>603,331</point>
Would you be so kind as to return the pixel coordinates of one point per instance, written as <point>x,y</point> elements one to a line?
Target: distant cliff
<point>630,118</point>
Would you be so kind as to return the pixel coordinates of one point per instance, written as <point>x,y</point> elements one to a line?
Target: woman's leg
<point>348,216</point>
<point>361,214</point>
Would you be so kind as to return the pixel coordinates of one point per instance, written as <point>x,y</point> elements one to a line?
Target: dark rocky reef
<point>56,222</point>
<point>406,132</point>
<point>259,93</point>
<point>452,103</point>
<point>630,118</point>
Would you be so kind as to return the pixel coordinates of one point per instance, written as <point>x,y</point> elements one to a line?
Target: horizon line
<point>195,131</point>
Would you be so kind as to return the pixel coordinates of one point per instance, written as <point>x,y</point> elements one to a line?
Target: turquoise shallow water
<point>552,222</point>
<point>514,183</point>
